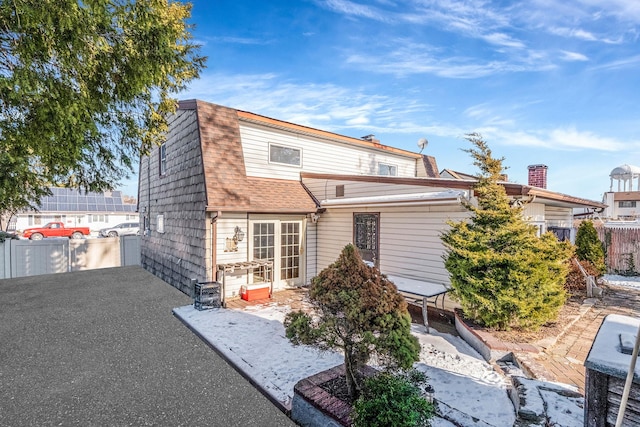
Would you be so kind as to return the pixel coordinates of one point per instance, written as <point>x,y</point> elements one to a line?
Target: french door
<point>281,242</point>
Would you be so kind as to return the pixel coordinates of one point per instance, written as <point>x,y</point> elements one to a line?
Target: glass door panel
<point>289,250</point>
<point>263,246</point>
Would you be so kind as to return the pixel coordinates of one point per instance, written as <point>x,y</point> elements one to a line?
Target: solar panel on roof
<point>74,200</point>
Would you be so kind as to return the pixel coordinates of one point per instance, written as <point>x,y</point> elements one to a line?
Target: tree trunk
<point>350,371</point>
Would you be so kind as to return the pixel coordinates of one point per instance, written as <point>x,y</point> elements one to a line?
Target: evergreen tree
<point>85,88</point>
<point>502,274</point>
<point>359,311</point>
<point>589,247</point>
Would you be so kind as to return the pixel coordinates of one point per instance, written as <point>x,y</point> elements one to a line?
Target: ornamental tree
<point>84,90</point>
<point>501,272</point>
<point>359,311</point>
<point>589,247</point>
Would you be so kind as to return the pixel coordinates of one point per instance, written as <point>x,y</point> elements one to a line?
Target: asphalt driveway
<point>101,347</point>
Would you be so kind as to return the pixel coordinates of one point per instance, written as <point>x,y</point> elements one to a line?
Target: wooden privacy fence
<point>19,258</point>
<point>622,249</point>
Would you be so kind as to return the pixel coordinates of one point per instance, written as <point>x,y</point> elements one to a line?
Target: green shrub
<point>589,247</point>
<point>359,311</point>
<point>393,400</point>
<point>501,272</point>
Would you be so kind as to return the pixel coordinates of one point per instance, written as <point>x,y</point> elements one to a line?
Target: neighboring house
<point>230,186</point>
<point>622,200</point>
<point>77,208</point>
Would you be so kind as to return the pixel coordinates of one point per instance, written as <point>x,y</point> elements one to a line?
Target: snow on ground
<point>254,340</point>
<point>625,281</point>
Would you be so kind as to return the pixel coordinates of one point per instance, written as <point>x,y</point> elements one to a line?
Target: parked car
<point>124,229</point>
<point>55,229</point>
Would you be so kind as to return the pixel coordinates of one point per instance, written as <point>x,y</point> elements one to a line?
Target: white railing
<point>19,258</point>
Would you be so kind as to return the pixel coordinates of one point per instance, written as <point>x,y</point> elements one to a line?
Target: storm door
<point>366,234</point>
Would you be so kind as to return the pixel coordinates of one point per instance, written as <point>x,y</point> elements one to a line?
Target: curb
<point>278,404</point>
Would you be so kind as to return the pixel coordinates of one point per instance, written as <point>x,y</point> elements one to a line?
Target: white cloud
<point>572,138</point>
<point>352,111</point>
<point>632,61</point>
<point>404,57</point>
<point>625,10</point>
<point>502,39</point>
<point>557,139</point>
<point>350,8</point>
<point>327,106</point>
<point>573,56</point>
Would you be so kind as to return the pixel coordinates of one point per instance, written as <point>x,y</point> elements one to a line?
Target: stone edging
<point>487,345</point>
<point>331,408</point>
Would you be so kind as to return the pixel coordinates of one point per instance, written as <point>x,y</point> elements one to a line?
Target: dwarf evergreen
<point>502,274</point>
<point>359,311</point>
<point>589,247</point>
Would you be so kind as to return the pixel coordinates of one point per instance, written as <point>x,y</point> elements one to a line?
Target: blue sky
<point>544,81</point>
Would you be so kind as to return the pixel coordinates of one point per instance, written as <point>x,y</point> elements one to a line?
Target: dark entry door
<point>366,234</point>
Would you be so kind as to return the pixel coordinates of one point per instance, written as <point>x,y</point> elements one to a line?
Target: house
<point>623,202</point>
<point>230,189</point>
<point>77,208</point>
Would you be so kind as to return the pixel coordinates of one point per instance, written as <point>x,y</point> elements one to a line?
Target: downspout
<point>213,232</point>
<point>214,238</point>
<point>147,230</point>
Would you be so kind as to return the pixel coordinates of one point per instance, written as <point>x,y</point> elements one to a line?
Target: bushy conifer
<point>359,311</point>
<point>589,247</point>
<point>501,272</point>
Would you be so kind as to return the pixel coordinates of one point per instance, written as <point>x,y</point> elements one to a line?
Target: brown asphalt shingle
<point>228,187</point>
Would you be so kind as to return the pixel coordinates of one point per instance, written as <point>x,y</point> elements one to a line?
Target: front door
<point>280,242</point>
<point>366,233</point>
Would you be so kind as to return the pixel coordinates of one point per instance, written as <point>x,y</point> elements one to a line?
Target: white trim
<point>433,197</point>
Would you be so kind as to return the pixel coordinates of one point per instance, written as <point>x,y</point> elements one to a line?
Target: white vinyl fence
<point>19,258</point>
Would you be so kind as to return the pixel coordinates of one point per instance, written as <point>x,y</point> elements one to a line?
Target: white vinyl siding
<point>558,217</point>
<point>410,243</point>
<point>318,155</point>
<point>533,212</point>
<point>225,229</point>
<point>325,189</point>
<point>310,253</point>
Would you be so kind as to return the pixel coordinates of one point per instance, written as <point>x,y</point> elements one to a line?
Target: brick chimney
<point>538,176</point>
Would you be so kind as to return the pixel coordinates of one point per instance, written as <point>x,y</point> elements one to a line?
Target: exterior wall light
<point>238,235</point>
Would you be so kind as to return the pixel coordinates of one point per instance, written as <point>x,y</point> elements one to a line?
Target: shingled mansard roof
<point>227,185</point>
<point>230,189</point>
